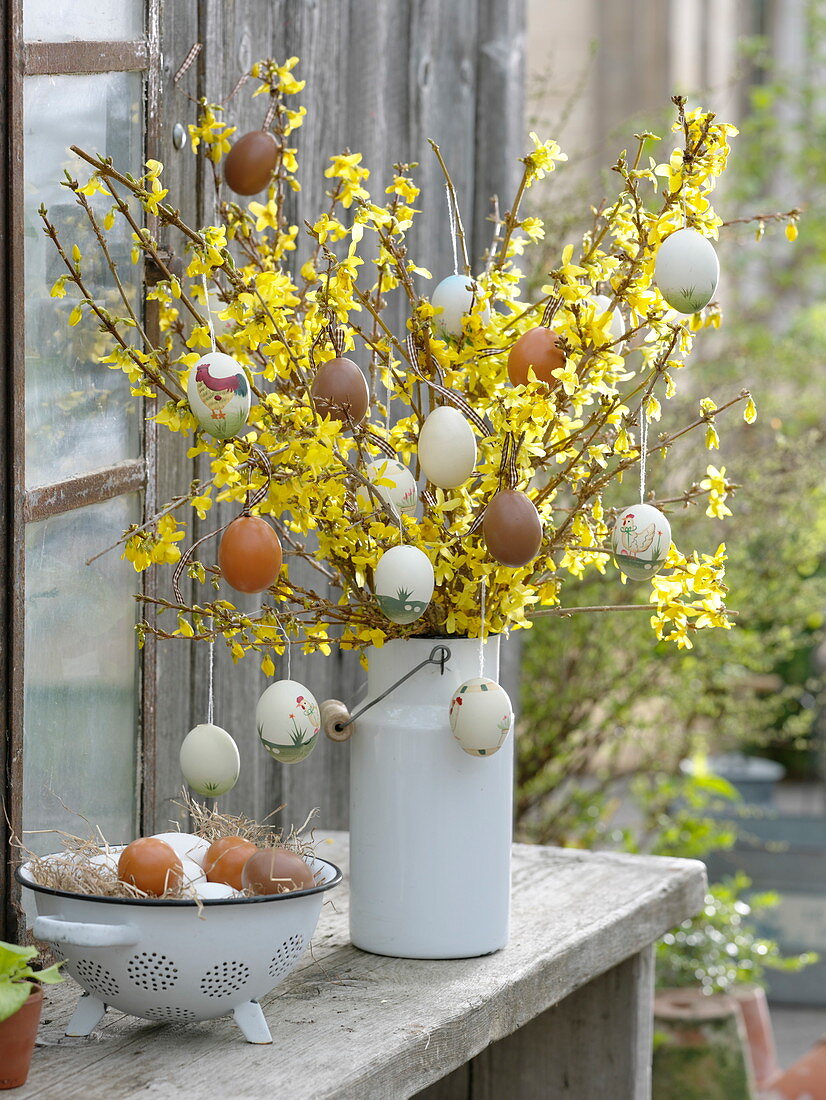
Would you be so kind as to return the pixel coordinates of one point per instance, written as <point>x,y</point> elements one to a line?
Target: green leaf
<point>13,995</point>
<point>14,960</point>
<point>51,975</point>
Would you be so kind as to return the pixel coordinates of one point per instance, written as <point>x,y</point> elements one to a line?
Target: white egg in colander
<point>173,962</point>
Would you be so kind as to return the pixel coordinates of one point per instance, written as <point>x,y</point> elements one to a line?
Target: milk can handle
<point>81,934</point>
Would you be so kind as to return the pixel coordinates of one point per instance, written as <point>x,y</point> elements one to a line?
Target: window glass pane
<point>82,20</point>
<point>80,415</point>
<point>80,671</point>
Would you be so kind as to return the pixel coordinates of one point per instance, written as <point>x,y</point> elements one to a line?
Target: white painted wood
<point>351,1025</point>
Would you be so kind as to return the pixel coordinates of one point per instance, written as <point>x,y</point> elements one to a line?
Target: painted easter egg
<point>250,162</point>
<point>512,528</point>
<point>640,540</point>
<point>287,718</point>
<point>339,390</point>
<point>403,582</point>
<point>249,554</point>
<point>616,327</point>
<point>210,760</point>
<point>537,349</point>
<point>447,448</point>
<point>453,299</point>
<point>400,495</point>
<point>480,716</point>
<point>687,270</point>
<point>219,394</point>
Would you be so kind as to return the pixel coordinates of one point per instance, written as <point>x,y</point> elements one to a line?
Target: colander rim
<point>262,898</point>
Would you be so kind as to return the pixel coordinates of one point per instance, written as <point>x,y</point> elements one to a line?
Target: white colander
<point>167,961</point>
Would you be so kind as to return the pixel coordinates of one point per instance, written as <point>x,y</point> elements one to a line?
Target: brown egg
<point>249,163</point>
<point>249,554</point>
<point>512,528</point>
<point>537,348</point>
<point>276,871</point>
<point>226,858</point>
<point>152,865</point>
<point>340,391</point>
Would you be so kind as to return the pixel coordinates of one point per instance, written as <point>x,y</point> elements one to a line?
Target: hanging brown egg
<point>512,528</point>
<point>538,348</point>
<point>249,554</point>
<point>250,162</point>
<point>340,391</point>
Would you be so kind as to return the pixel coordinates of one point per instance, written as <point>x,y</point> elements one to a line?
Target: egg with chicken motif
<point>687,270</point>
<point>219,394</point>
<point>640,540</point>
<point>287,717</point>
<point>403,582</point>
<point>481,716</point>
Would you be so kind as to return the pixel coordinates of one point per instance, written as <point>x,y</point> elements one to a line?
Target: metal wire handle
<point>439,655</point>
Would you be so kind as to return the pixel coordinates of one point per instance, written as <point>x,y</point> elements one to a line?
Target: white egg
<point>187,845</point>
<point>210,760</point>
<point>193,872</point>
<point>219,394</point>
<point>453,299</point>
<point>105,859</point>
<point>209,891</point>
<point>481,716</point>
<point>687,270</point>
<point>602,304</point>
<point>400,495</point>
<point>403,581</point>
<point>640,540</point>
<point>287,717</point>
<point>447,448</point>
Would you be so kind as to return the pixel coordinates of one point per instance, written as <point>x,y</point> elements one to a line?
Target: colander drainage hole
<point>152,971</point>
<point>96,978</point>
<point>225,978</point>
<point>286,956</point>
<point>169,1015</point>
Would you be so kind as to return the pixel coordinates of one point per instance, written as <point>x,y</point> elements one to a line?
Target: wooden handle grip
<point>334,712</point>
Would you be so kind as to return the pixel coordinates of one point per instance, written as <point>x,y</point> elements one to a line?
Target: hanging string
<point>210,688</point>
<point>288,651</point>
<point>482,627</point>
<point>452,214</point>
<point>208,312</point>
<point>643,449</point>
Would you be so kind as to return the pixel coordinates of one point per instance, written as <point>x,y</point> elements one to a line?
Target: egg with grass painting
<point>687,270</point>
<point>640,540</point>
<point>210,761</point>
<point>403,582</point>
<point>394,485</point>
<point>219,395</point>
<point>454,299</point>
<point>481,716</point>
<point>287,717</point>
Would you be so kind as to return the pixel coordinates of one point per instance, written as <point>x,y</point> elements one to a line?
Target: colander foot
<point>250,1019</point>
<point>86,1016</point>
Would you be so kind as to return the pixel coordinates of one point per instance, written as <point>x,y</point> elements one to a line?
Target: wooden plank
<point>51,58</point>
<point>349,1024</point>
<point>77,492</point>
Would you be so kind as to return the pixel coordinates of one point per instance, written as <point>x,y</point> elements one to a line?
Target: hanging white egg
<point>400,495</point>
<point>219,394</point>
<point>602,305</point>
<point>287,717</point>
<point>640,540</point>
<point>453,299</point>
<point>210,760</point>
<point>481,716</point>
<point>187,845</point>
<point>687,270</point>
<point>447,448</point>
<point>403,582</point>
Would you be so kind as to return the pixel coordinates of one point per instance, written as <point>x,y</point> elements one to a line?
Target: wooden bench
<point>563,1011</point>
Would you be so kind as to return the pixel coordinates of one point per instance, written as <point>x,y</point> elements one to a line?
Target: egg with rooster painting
<point>287,717</point>
<point>640,540</point>
<point>403,582</point>
<point>481,716</point>
<point>219,394</point>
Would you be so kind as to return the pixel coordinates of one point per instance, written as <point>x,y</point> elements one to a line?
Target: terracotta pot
<point>806,1079</point>
<point>17,1036</point>
<point>759,1033</point>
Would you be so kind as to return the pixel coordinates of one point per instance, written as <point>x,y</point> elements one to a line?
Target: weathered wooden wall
<point>383,76</point>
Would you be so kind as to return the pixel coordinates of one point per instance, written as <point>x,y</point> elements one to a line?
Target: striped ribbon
<point>270,115</point>
<point>451,396</point>
<point>187,62</point>
<point>508,473</point>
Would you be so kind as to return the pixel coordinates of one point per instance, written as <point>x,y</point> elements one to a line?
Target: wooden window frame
<point>19,505</point>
